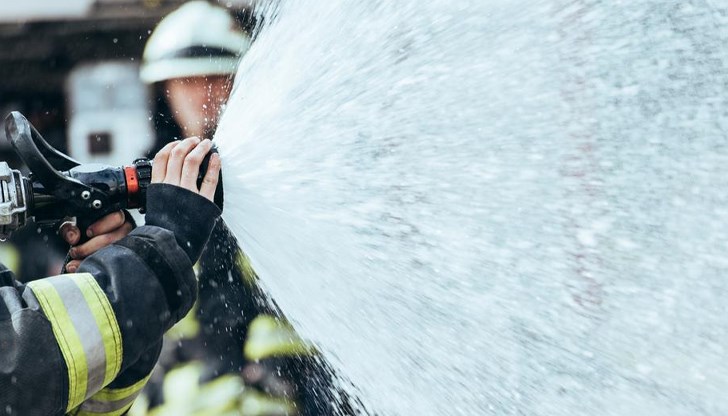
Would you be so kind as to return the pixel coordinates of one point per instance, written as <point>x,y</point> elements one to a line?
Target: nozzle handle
<point>26,140</point>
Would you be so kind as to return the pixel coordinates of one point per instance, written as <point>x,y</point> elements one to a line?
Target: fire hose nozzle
<point>59,187</point>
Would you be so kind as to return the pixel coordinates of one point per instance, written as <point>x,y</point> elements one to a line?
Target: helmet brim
<point>153,72</point>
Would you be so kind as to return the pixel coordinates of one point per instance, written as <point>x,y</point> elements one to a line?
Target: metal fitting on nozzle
<point>13,200</point>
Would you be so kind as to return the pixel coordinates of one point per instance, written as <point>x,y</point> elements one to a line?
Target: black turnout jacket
<point>86,343</point>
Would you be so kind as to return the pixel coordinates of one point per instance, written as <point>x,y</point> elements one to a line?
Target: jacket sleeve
<point>85,343</point>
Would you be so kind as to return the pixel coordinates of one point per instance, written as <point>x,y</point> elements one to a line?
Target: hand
<point>102,233</point>
<point>178,163</point>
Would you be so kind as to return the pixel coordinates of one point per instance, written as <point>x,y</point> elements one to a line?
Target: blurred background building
<point>54,55</point>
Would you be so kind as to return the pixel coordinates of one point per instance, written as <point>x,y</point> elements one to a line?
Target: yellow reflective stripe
<point>10,257</point>
<point>187,328</point>
<point>106,323</point>
<point>243,263</point>
<point>86,329</point>
<point>111,395</point>
<point>112,402</point>
<point>118,412</point>
<point>67,337</point>
<point>253,403</point>
<point>269,337</point>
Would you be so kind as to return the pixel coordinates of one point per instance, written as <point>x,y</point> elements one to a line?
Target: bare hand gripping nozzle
<point>59,187</point>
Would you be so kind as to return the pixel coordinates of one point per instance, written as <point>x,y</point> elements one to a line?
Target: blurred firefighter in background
<point>235,347</point>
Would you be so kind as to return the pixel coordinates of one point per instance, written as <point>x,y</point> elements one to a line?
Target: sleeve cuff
<point>190,216</point>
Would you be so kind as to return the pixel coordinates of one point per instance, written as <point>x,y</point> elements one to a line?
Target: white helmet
<point>197,39</point>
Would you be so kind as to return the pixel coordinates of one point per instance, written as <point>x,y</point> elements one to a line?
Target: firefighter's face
<point>196,102</point>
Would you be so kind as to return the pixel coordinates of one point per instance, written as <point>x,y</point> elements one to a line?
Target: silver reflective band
<point>86,330</point>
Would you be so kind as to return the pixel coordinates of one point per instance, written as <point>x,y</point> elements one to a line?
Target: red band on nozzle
<point>132,185</point>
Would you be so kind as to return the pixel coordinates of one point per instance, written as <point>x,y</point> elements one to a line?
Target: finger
<point>191,167</point>
<point>177,159</point>
<point>212,176</point>
<point>97,243</point>
<point>72,266</point>
<point>70,233</point>
<point>159,167</point>
<point>106,224</point>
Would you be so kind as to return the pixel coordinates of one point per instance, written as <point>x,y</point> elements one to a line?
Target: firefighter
<point>85,343</point>
<point>191,58</point>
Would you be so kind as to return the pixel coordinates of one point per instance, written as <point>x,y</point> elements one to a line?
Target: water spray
<point>59,187</point>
